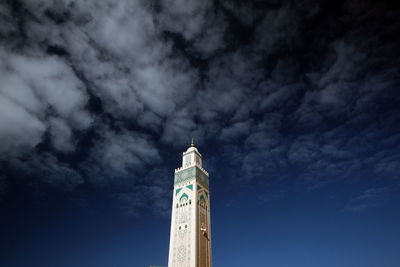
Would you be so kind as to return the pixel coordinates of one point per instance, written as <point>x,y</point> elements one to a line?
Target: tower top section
<point>191,148</point>
<point>191,167</point>
<point>191,157</point>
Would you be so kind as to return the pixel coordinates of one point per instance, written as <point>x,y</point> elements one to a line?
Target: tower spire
<point>192,144</point>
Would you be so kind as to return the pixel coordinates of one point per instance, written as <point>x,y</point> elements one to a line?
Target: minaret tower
<point>190,239</point>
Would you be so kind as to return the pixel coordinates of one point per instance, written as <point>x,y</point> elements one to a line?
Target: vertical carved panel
<point>203,242</point>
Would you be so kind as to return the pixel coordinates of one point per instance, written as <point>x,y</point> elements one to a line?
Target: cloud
<point>182,124</point>
<point>118,156</point>
<point>44,173</point>
<point>19,128</point>
<point>371,199</point>
<point>37,92</point>
<point>211,39</point>
<point>235,130</point>
<point>185,17</point>
<point>292,90</point>
<point>279,27</point>
<point>304,150</point>
<point>61,134</point>
<point>154,196</point>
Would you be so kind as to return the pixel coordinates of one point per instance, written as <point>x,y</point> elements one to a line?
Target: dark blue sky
<point>295,108</point>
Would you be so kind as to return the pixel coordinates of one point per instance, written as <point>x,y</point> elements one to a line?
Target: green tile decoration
<point>177,191</point>
<point>191,174</point>
<point>184,196</point>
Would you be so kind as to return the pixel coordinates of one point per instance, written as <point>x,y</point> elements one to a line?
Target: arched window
<point>184,200</point>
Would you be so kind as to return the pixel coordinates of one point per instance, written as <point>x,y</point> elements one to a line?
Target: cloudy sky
<point>295,107</point>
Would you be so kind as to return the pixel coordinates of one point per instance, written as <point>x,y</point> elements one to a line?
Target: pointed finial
<point>192,144</point>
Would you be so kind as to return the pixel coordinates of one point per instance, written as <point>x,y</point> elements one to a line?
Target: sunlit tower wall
<point>190,236</point>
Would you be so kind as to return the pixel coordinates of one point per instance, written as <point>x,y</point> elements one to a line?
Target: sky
<point>294,105</point>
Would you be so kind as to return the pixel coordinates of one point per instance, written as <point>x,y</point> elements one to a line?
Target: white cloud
<point>61,135</point>
<point>117,156</point>
<point>19,129</point>
<point>184,16</point>
<point>33,87</point>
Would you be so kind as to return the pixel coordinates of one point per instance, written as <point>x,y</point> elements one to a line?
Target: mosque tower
<point>190,239</point>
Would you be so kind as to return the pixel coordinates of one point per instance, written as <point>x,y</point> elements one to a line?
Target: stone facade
<point>190,239</point>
